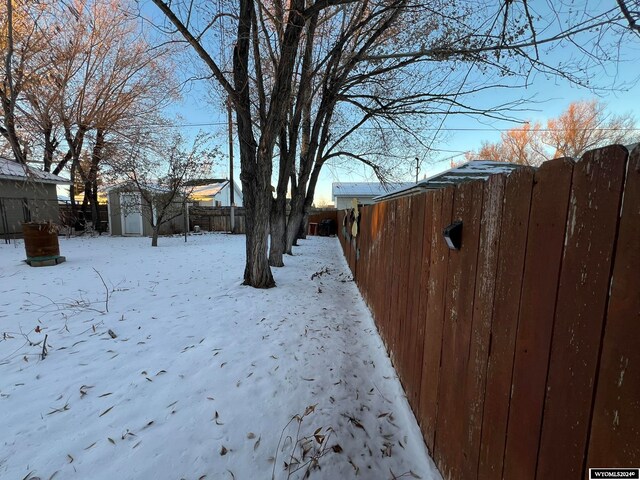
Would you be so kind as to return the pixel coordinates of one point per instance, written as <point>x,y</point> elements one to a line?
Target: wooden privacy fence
<point>520,352</point>
<point>216,219</point>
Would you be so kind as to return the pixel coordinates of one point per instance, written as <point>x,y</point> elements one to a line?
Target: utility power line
<point>428,129</point>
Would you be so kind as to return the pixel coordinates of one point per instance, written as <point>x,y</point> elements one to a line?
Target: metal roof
<point>474,170</point>
<point>364,189</point>
<point>12,170</point>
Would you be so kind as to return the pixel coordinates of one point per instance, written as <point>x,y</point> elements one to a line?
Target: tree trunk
<point>278,228</point>
<point>154,236</point>
<point>9,91</point>
<point>295,217</point>
<point>302,231</point>
<point>279,207</point>
<point>50,146</point>
<point>92,178</point>
<point>257,272</point>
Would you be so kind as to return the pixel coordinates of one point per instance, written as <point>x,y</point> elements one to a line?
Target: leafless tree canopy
<point>78,76</point>
<point>583,126</point>
<point>319,81</point>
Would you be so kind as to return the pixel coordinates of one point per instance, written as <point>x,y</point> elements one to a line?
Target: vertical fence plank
<point>547,221</point>
<point>372,250</point>
<point>413,357</point>
<point>475,377</point>
<point>362,251</point>
<point>403,256</point>
<point>584,284</point>
<point>461,278</point>
<point>398,257</point>
<point>441,217</point>
<point>390,270</point>
<point>378,273</point>
<point>615,433</point>
<point>513,238</point>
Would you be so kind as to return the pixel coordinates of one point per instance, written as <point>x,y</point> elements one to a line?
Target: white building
<point>343,193</point>
<point>214,192</point>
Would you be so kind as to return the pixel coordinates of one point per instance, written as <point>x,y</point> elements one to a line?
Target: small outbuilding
<point>130,213</point>
<point>26,195</point>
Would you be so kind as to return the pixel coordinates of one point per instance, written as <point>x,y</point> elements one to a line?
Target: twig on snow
<point>106,289</point>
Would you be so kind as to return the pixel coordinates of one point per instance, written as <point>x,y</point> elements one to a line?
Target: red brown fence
<point>519,352</point>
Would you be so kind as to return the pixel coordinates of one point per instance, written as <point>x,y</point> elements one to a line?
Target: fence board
<point>390,270</point>
<point>461,277</point>
<point>413,356</point>
<point>584,284</point>
<point>361,246</point>
<point>441,217</point>
<point>403,255</point>
<point>394,318</point>
<point>615,432</point>
<point>513,238</point>
<point>374,273</point>
<point>547,221</point>
<point>475,376</point>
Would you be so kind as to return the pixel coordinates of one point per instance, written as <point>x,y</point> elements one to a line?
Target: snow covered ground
<point>184,373</point>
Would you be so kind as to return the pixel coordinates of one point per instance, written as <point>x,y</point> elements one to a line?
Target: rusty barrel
<point>40,240</point>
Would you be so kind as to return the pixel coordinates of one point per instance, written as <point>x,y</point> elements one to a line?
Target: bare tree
<point>309,77</point>
<point>587,125</point>
<point>160,178</point>
<point>583,126</point>
<point>382,82</point>
<point>21,41</point>
<point>256,146</point>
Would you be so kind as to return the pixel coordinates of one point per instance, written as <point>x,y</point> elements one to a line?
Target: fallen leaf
<point>106,411</point>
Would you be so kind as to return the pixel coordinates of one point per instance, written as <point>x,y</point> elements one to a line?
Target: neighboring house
<point>474,170</point>
<point>344,193</point>
<point>214,192</point>
<point>130,213</point>
<point>26,195</point>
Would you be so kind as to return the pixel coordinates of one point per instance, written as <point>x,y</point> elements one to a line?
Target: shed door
<point>131,206</point>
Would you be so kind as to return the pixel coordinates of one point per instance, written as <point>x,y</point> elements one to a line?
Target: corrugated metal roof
<point>12,170</point>
<point>364,189</point>
<point>474,170</point>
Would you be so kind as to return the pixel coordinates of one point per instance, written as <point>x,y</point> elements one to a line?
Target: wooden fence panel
<point>394,316</point>
<point>441,217</point>
<point>513,239</point>
<point>547,221</point>
<point>615,431</point>
<point>376,250</point>
<point>584,286</point>
<point>461,278</point>
<point>392,278</point>
<point>475,379</point>
<point>361,247</point>
<point>403,256</point>
<point>421,314</point>
<point>413,354</point>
